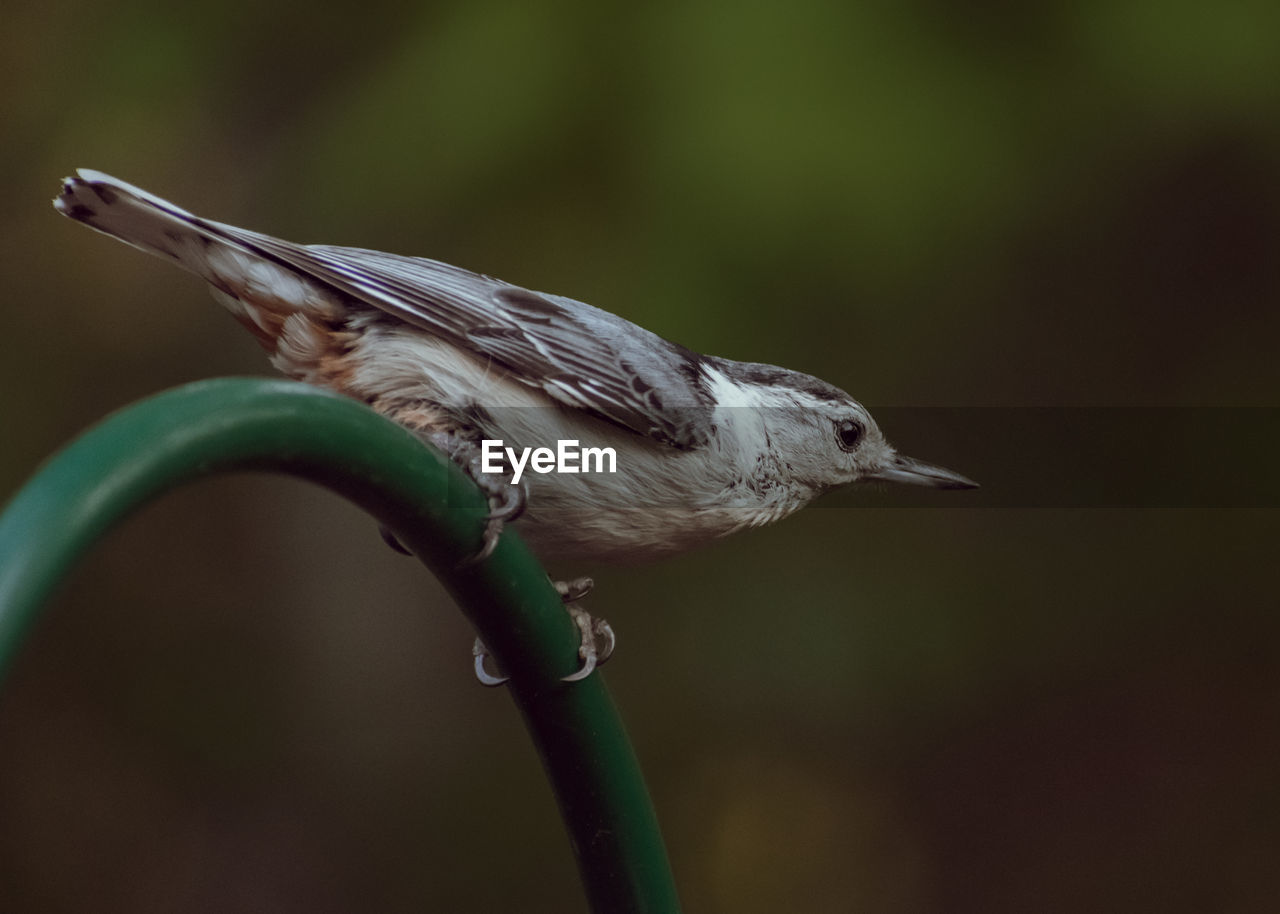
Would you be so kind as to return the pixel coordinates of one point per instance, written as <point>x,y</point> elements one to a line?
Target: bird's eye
<point>848,433</point>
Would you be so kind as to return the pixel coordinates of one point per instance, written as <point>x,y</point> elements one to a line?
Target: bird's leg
<point>506,503</point>
<point>506,500</point>
<point>597,639</point>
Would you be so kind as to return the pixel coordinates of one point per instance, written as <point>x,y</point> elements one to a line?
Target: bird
<point>704,446</point>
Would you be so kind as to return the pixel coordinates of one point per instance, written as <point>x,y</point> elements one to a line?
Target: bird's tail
<point>140,219</point>
<point>256,286</point>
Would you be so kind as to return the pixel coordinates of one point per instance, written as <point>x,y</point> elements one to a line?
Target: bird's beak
<point>919,473</point>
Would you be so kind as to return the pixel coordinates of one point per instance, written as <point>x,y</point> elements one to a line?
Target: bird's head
<point>821,437</point>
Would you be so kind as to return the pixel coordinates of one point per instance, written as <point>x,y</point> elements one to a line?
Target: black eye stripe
<point>849,433</point>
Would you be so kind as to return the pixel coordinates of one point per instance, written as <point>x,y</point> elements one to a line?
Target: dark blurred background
<point>244,701</point>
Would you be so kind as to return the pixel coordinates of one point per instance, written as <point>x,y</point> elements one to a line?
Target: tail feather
<point>259,291</point>
<point>140,219</point>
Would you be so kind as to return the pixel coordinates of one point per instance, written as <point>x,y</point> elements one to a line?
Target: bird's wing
<point>579,355</point>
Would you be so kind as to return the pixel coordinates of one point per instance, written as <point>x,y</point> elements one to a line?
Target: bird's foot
<point>595,646</point>
<point>574,590</point>
<point>507,501</point>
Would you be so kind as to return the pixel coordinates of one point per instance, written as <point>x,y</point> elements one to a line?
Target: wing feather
<point>579,355</point>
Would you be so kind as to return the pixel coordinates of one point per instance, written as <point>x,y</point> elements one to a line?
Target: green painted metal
<point>235,424</point>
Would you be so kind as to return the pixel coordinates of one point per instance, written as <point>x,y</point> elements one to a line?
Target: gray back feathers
<point>579,355</point>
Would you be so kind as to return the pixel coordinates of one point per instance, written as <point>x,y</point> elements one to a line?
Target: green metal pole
<point>235,424</point>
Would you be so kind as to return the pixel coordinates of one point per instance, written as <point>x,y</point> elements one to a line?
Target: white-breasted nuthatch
<point>704,446</point>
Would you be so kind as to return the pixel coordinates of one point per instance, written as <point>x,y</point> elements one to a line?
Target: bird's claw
<point>480,652</point>
<point>596,637</point>
<point>592,654</point>
<point>575,590</point>
<point>506,503</point>
<point>507,500</point>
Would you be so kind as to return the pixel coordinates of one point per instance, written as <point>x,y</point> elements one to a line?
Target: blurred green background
<point>244,701</point>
